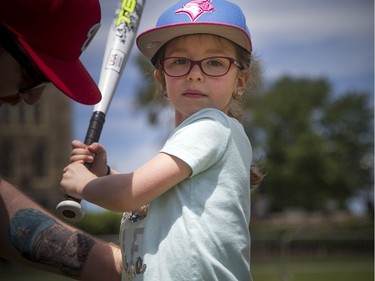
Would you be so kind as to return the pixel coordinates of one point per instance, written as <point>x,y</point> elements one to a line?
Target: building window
<point>6,162</point>
<point>22,113</point>
<point>38,113</point>
<point>5,114</point>
<point>39,161</point>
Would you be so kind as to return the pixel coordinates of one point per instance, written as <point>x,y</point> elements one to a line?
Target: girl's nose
<point>195,73</point>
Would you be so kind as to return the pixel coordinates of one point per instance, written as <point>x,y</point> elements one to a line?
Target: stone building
<point>35,145</point>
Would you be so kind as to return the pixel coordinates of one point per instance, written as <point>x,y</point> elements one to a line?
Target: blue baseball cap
<point>217,17</point>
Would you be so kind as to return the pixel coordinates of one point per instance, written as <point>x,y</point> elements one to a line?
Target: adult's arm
<point>31,236</point>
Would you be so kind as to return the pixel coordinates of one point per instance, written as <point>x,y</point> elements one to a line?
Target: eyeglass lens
<point>213,66</point>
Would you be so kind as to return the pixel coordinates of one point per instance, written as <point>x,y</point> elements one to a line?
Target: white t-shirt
<point>199,229</point>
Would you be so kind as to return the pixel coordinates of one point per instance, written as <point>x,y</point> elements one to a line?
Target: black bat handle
<point>95,127</point>
<point>71,209</point>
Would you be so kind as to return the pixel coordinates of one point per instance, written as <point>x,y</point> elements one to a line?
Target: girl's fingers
<point>82,159</point>
<point>81,151</point>
<point>78,144</point>
<point>83,155</point>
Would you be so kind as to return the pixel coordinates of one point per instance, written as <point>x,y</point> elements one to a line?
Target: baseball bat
<point>119,44</point>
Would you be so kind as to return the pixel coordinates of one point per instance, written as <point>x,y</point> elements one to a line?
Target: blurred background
<point>310,120</point>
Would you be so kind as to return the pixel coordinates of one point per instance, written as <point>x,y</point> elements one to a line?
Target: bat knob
<point>69,210</point>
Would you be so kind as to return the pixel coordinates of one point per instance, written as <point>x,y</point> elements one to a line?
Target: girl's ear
<point>160,78</point>
<point>242,81</point>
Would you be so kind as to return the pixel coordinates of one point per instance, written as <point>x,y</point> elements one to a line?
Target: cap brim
<point>71,78</point>
<point>152,40</point>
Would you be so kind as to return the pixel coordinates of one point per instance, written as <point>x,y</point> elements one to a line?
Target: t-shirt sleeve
<point>201,141</point>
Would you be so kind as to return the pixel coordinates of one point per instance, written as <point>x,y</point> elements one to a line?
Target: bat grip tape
<point>95,127</point>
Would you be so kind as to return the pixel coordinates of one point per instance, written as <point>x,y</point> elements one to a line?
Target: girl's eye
<point>214,62</point>
<point>180,61</point>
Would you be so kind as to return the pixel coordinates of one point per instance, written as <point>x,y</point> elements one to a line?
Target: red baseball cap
<point>54,33</point>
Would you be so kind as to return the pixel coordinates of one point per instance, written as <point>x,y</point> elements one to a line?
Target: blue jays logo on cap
<point>195,8</point>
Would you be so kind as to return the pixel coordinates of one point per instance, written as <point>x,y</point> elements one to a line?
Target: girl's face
<point>196,90</point>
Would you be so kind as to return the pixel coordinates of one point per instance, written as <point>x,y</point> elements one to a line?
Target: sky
<point>302,38</point>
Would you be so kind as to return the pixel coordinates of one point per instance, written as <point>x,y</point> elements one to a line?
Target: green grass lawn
<point>325,270</point>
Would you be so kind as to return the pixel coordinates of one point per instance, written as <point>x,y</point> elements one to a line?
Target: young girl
<point>187,210</point>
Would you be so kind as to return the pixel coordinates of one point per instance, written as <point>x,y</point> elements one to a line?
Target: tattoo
<point>39,238</point>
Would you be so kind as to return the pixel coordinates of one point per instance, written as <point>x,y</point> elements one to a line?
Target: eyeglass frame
<point>199,63</point>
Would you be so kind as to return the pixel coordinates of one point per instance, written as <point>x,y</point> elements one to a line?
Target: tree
<point>313,145</point>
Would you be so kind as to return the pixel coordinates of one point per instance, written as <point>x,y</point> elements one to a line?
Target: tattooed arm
<point>29,235</point>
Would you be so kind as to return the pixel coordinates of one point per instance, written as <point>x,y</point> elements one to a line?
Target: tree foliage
<point>314,146</point>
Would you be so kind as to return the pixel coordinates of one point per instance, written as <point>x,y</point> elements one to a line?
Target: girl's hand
<point>93,154</point>
<point>75,177</point>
